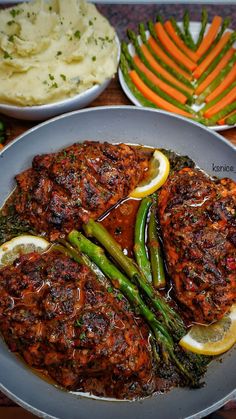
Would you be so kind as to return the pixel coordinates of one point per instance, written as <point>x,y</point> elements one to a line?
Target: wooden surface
<point>113,95</point>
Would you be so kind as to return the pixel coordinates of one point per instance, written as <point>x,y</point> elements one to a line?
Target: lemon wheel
<point>12,249</point>
<point>214,339</point>
<point>157,174</point>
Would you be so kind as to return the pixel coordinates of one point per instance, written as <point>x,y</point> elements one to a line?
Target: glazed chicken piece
<point>64,189</point>
<point>198,224</point>
<point>56,314</point>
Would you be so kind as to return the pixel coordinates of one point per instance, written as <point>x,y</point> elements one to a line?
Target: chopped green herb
<point>58,53</point>
<point>7,55</point>
<point>82,336</point>
<point>10,22</point>
<point>50,8</point>
<point>78,323</point>
<point>54,85</point>
<point>51,76</point>
<point>90,23</point>
<point>119,296</point>
<point>77,34</point>
<point>11,38</point>
<point>109,289</point>
<point>63,77</point>
<point>94,58</point>
<point>15,12</point>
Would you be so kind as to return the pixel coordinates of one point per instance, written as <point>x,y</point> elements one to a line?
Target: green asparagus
<point>169,317</point>
<point>214,63</point>
<point>221,114</point>
<point>139,238</point>
<point>189,370</point>
<point>231,120</point>
<point>217,99</point>
<point>204,20</point>
<point>138,95</point>
<point>188,37</point>
<point>157,265</point>
<point>217,81</point>
<point>135,42</point>
<point>224,26</point>
<point>151,85</point>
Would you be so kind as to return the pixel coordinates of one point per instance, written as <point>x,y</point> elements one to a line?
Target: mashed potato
<point>51,50</point>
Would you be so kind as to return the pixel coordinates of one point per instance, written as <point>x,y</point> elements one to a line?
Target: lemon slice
<point>12,249</point>
<point>157,174</point>
<point>214,339</point>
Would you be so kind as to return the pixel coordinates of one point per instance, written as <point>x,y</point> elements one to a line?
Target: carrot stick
<point>222,121</point>
<point>150,95</point>
<point>210,36</point>
<point>179,42</point>
<point>161,70</point>
<point>172,48</point>
<point>155,47</point>
<point>229,98</point>
<point>171,91</point>
<point>213,54</point>
<point>230,78</point>
<point>215,72</point>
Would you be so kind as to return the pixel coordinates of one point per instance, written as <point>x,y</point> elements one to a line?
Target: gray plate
<point>133,125</point>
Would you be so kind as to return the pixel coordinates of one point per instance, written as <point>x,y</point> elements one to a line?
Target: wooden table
<point>113,95</point>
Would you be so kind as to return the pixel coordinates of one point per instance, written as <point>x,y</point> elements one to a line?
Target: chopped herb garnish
<point>58,53</point>
<point>82,336</point>
<point>119,296</point>
<point>51,76</point>
<point>77,34</point>
<point>63,77</point>
<point>54,85</point>
<point>15,12</point>
<point>10,22</point>
<point>11,38</point>
<point>90,23</point>
<point>78,323</point>
<point>50,8</point>
<point>109,289</point>
<point>94,58</point>
<point>7,55</point>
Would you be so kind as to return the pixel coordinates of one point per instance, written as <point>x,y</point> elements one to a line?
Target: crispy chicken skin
<point>56,314</point>
<point>198,224</point>
<point>64,189</point>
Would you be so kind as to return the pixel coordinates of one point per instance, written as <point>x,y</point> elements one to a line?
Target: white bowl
<point>42,112</point>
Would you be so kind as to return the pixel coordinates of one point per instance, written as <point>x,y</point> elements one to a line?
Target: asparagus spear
<point>139,239</point>
<point>134,39</point>
<point>204,20</point>
<point>217,59</point>
<point>157,265</point>
<point>125,71</point>
<point>177,28</point>
<point>120,281</point>
<point>231,120</point>
<point>224,26</point>
<point>152,86</point>
<point>212,86</point>
<point>159,18</point>
<point>217,99</point>
<point>221,114</point>
<point>188,37</point>
<point>170,318</point>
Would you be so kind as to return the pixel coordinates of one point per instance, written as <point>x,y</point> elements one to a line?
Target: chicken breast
<point>198,224</point>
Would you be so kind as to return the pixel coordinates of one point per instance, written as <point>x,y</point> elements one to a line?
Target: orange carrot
<point>226,100</point>
<point>215,72</point>
<point>153,97</point>
<point>222,121</point>
<point>210,36</point>
<point>155,47</point>
<point>230,78</point>
<point>154,64</point>
<point>212,55</point>
<point>171,91</point>
<point>179,42</point>
<point>172,48</point>
<point>1,146</point>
